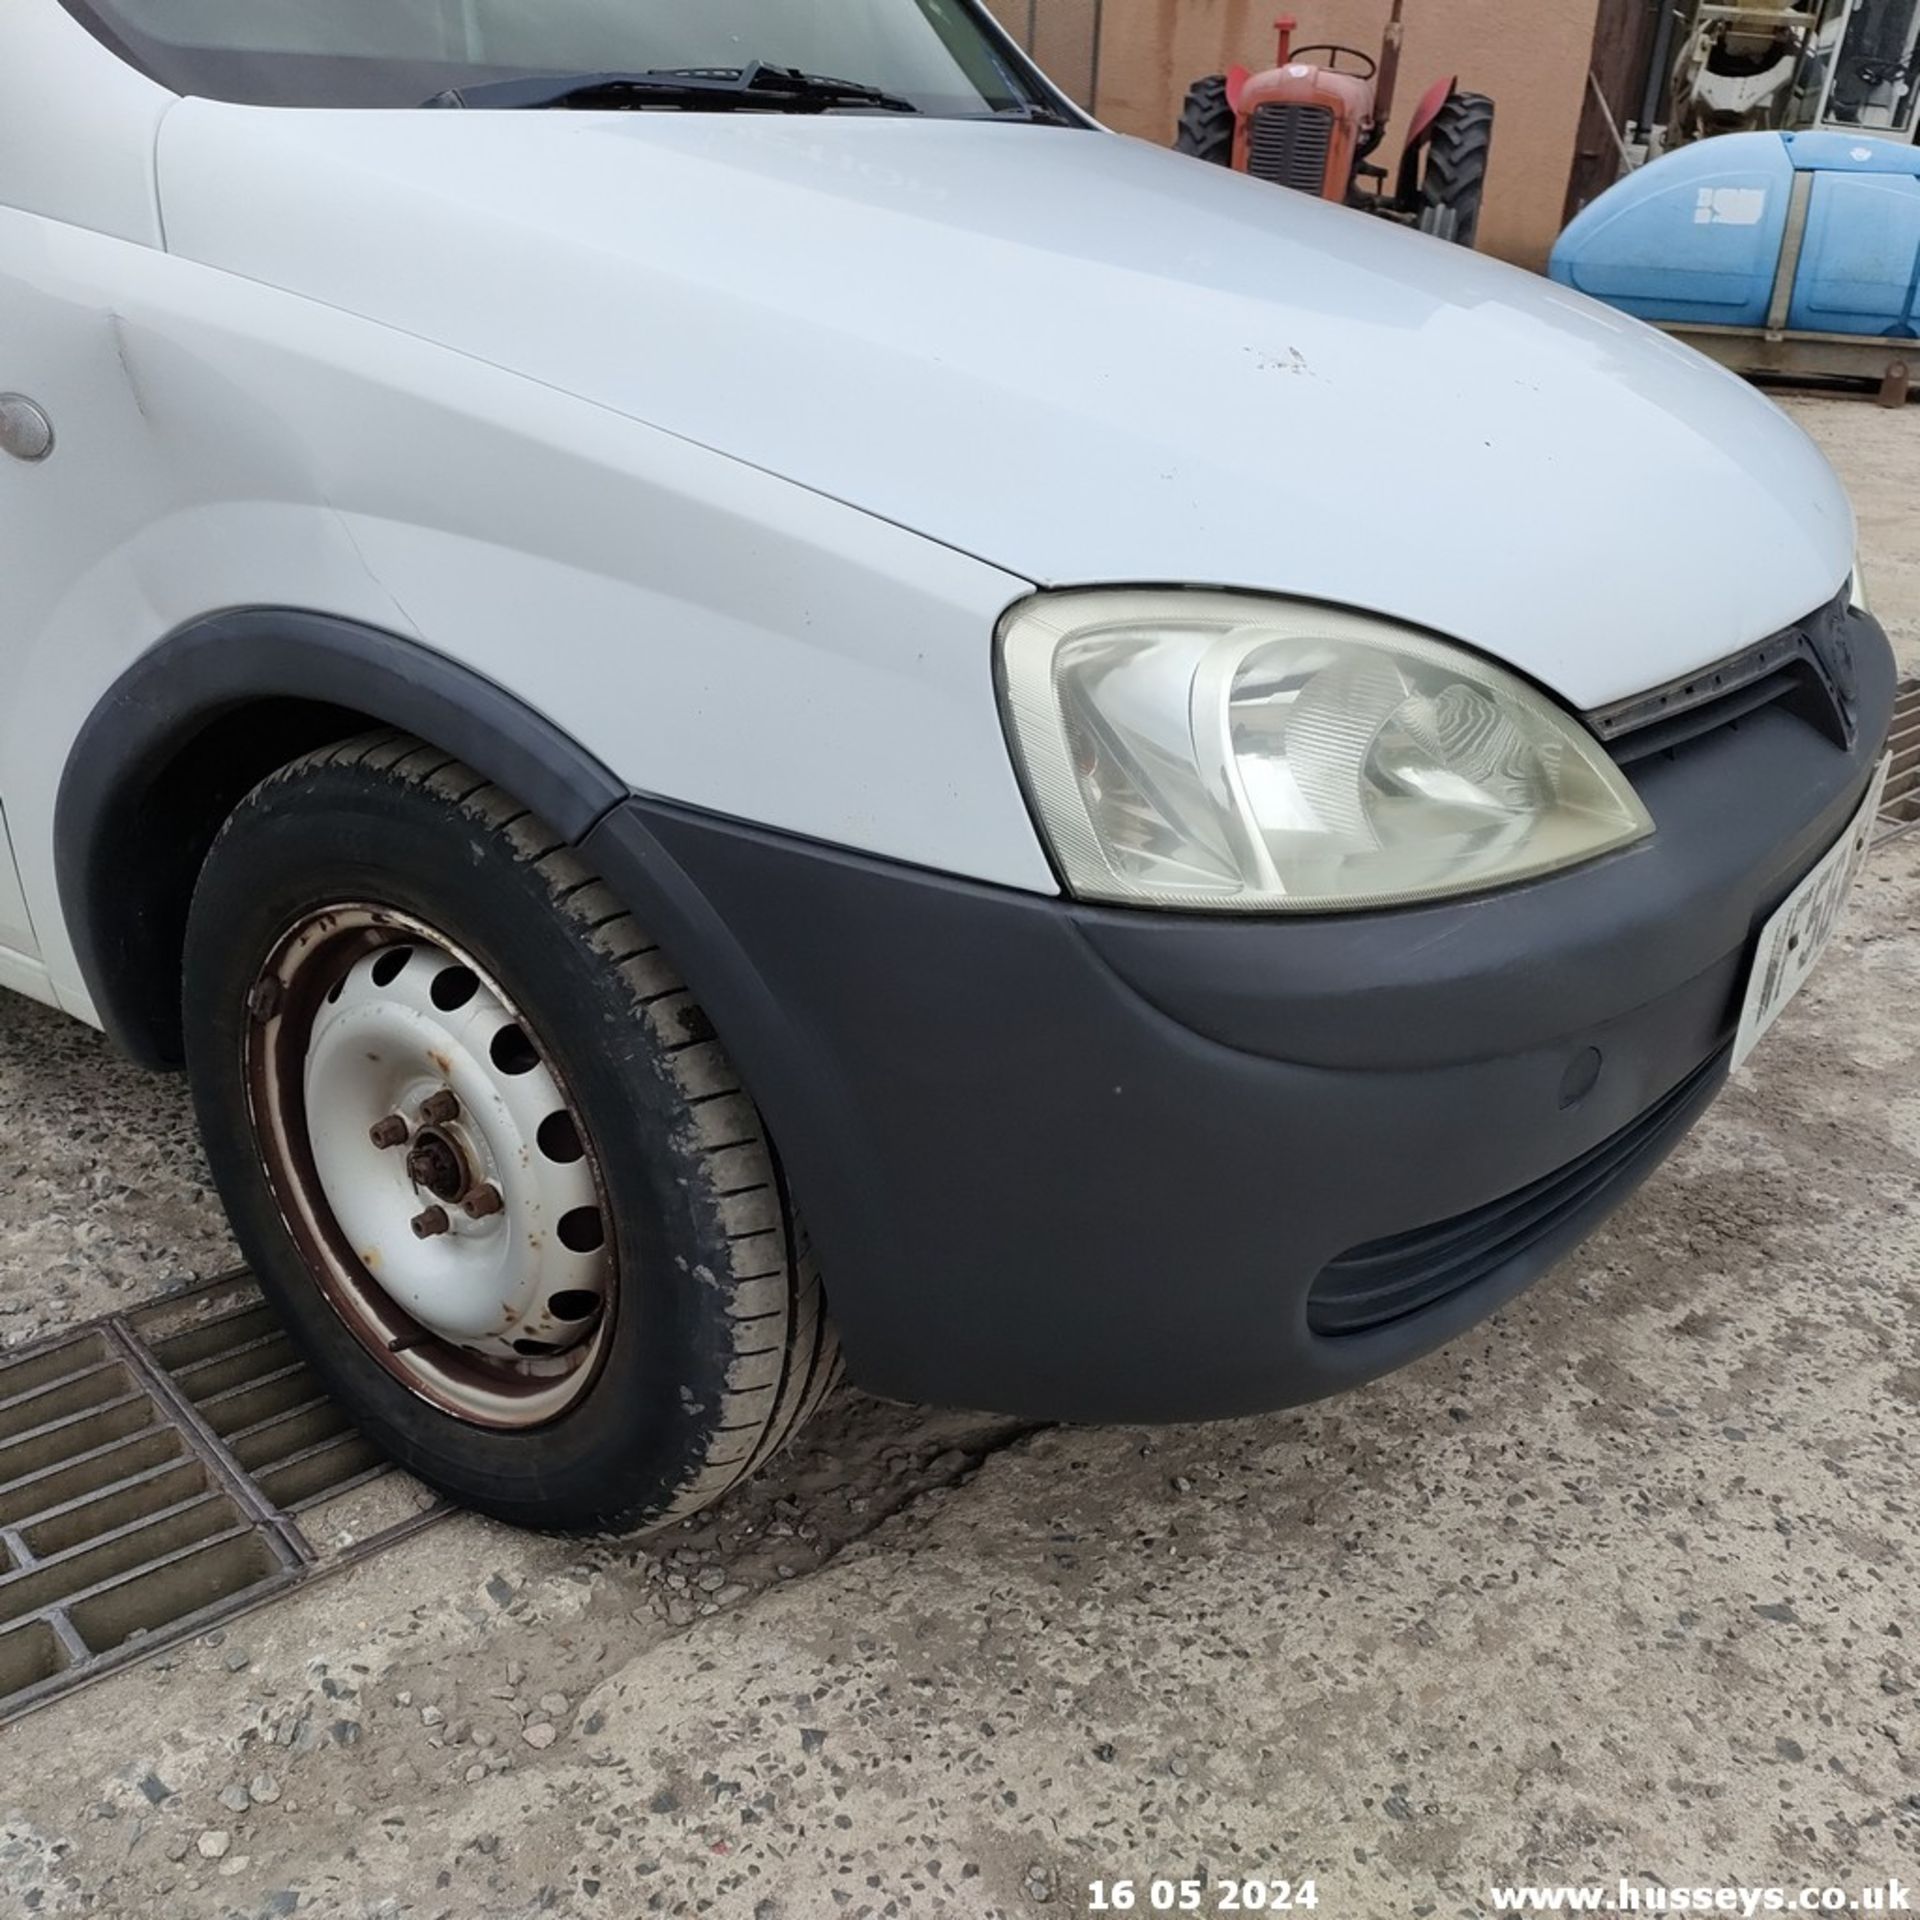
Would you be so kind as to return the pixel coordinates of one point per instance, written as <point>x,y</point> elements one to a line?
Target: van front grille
<point>1808,667</point>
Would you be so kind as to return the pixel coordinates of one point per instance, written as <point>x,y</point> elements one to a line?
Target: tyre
<point>1207,122</point>
<point>484,1153</point>
<point>1454,184</point>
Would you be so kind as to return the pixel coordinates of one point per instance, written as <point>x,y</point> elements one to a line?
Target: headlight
<point>1857,590</point>
<point>1219,751</point>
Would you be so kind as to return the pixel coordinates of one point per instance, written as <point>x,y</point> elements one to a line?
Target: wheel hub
<point>450,1205</point>
<point>437,1166</point>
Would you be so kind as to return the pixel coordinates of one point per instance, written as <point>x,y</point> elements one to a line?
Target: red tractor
<point>1314,120</point>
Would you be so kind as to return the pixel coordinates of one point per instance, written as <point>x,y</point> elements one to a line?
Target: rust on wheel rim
<point>431,1166</point>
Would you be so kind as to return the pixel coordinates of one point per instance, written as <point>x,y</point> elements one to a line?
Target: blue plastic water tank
<point>1694,239</point>
<point>1860,266</point>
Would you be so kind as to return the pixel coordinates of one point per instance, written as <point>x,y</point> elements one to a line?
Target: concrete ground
<point>1619,1585</point>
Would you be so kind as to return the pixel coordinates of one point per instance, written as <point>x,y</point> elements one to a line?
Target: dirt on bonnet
<point>1619,1585</point>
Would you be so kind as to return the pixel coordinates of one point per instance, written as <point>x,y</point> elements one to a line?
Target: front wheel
<point>484,1153</point>
<point>1207,122</point>
<point>1453,187</point>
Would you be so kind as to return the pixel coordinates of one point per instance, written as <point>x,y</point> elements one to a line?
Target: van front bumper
<point>1073,1163</point>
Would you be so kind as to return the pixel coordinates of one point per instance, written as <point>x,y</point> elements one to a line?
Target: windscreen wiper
<point>754,88</point>
<point>1032,114</point>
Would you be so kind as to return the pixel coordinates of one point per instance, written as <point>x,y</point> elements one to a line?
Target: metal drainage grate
<point>151,1465</point>
<point>1900,806</point>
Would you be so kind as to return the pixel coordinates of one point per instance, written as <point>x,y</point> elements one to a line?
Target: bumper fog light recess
<point>1212,751</point>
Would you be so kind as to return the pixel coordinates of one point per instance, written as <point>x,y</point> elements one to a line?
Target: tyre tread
<point>773,1285</point>
<point>1459,153</point>
<point>1208,124</point>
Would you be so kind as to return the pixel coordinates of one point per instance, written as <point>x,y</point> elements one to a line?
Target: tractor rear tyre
<point>1207,122</point>
<point>1455,182</point>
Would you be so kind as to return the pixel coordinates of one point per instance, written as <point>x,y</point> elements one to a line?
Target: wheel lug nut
<point>483,1202</point>
<point>433,1221</point>
<point>390,1132</point>
<point>437,1109</point>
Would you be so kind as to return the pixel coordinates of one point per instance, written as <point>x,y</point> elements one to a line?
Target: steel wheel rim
<point>500,1312</point>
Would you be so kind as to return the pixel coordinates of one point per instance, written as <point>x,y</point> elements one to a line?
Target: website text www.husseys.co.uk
<point>1630,1896</point>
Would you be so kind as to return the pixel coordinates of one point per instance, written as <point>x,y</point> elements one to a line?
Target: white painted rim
<point>433,1168</point>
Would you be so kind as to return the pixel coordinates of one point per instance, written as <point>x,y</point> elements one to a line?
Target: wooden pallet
<point>1885,368</point>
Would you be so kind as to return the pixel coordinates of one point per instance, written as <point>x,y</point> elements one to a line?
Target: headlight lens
<point>1225,752</point>
<point>1857,590</point>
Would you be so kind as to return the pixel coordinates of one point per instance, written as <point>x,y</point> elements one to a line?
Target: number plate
<point>1792,942</point>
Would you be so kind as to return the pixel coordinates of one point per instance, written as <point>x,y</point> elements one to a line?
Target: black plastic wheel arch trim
<point>123,836</point>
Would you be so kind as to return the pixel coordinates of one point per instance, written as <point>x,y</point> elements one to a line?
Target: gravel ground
<point>1618,1585</point>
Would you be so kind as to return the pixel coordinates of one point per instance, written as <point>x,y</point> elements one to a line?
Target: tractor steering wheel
<point>1366,69</point>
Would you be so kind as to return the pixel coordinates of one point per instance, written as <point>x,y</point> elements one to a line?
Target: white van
<point>734,688</point>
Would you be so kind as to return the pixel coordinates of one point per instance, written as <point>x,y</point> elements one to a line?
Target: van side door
<point>78,206</point>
